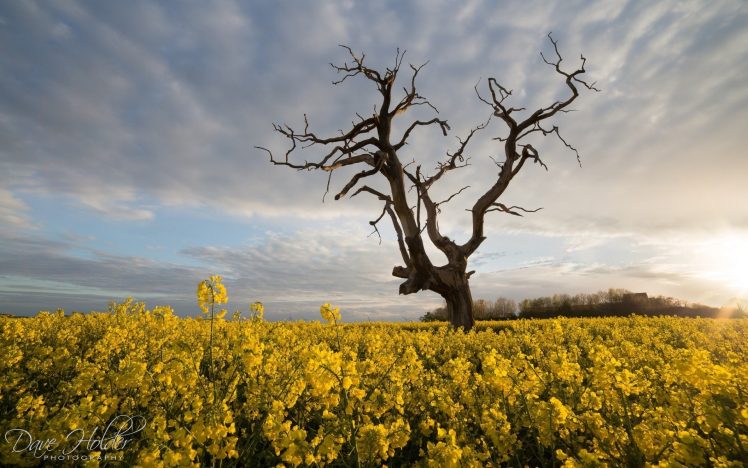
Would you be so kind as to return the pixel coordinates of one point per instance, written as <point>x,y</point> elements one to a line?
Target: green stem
<point>210,351</point>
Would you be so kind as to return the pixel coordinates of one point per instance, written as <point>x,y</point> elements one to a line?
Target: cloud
<point>38,273</point>
<point>133,110</point>
<point>339,264</point>
<point>291,274</point>
<point>559,277</point>
<point>173,113</point>
<point>294,272</point>
<point>13,211</point>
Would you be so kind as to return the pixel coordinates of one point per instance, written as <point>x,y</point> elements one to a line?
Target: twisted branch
<point>516,152</point>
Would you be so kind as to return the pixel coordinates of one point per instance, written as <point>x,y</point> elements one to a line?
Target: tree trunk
<point>460,305</point>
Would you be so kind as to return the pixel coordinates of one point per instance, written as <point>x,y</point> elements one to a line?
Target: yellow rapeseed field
<point>573,392</point>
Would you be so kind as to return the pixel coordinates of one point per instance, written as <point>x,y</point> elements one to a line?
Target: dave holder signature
<point>113,437</point>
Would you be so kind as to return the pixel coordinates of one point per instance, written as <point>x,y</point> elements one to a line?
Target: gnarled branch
<point>511,209</point>
<point>393,217</point>
<point>454,158</point>
<point>516,152</point>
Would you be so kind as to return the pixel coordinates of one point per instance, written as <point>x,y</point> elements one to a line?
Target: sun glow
<point>728,259</point>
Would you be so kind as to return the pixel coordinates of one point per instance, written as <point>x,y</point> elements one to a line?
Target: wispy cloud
<point>13,211</point>
<point>293,275</point>
<point>315,266</point>
<point>173,112</point>
<point>131,110</point>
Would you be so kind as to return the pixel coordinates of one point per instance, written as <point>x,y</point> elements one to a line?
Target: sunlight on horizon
<point>726,259</point>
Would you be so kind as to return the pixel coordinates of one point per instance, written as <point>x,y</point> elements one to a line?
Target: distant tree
<point>480,309</point>
<point>505,307</point>
<point>437,315</point>
<point>615,295</point>
<point>615,302</point>
<point>599,303</point>
<point>661,302</point>
<point>407,201</point>
<point>501,309</point>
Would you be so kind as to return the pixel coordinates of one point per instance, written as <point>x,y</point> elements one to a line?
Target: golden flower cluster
<point>571,392</point>
<point>329,313</point>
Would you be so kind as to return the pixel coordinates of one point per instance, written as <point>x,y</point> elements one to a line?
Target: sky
<point>128,164</point>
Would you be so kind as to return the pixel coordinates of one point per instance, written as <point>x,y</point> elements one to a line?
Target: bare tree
<point>370,144</point>
<point>504,307</point>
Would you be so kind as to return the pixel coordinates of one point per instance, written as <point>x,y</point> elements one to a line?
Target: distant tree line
<point>500,309</point>
<point>614,302</point>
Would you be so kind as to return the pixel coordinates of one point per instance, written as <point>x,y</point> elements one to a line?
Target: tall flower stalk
<point>209,293</point>
<point>258,310</point>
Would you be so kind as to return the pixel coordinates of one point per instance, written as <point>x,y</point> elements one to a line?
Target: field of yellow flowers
<point>145,387</point>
